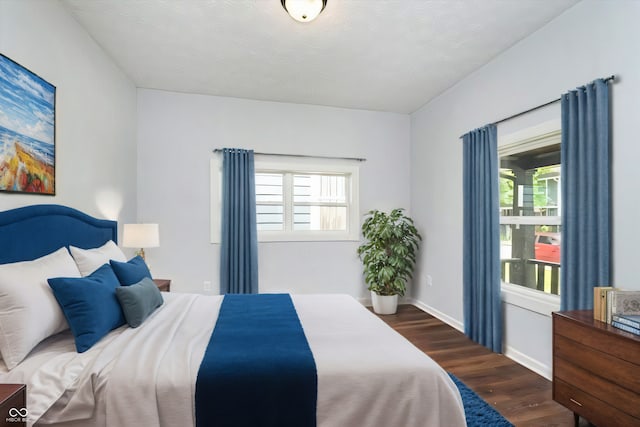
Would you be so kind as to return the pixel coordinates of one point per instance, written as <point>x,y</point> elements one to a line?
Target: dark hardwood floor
<point>520,395</point>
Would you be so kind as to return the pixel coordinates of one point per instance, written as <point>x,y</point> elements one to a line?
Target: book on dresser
<point>600,302</point>
<point>632,320</point>
<point>625,327</point>
<point>622,302</point>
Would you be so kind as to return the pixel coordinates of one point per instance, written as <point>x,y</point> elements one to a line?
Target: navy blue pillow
<point>131,272</point>
<point>139,300</point>
<point>90,305</point>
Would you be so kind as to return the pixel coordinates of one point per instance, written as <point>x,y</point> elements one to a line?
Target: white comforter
<point>368,375</point>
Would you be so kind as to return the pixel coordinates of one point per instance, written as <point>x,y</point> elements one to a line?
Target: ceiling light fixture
<point>304,10</point>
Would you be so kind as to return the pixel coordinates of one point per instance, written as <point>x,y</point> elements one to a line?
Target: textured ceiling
<point>386,55</point>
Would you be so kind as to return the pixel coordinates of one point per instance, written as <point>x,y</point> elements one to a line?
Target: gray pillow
<point>138,301</point>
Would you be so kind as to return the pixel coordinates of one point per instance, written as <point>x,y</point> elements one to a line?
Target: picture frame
<point>27,131</point>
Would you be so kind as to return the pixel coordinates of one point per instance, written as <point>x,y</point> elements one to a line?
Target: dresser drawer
<point>614,344</point>
<point>590,407</point>
<point>601,364</point>
<point>599,388</point>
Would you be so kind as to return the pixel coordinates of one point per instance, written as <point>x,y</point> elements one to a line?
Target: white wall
<point>176,136</point>
<point>593,39</point>
<point>95,109</point>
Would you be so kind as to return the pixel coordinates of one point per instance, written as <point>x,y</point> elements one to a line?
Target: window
<point>293,201</point>
<point>530,210</point>
<point>299,199</point>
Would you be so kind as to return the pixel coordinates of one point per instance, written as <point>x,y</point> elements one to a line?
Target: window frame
<point>542,135</point>
<point>292,166</point>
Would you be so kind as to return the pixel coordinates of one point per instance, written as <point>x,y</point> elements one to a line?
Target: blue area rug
<point>477,411</point>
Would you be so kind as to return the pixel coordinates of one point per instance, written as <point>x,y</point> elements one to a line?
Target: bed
<point>366,374</point>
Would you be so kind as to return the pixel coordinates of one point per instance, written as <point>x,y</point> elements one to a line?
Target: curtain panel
<point>481,234</point>
<point>239,242</point>
<point>586,204</point>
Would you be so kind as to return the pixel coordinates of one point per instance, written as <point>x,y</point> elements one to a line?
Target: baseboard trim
<point>436,313</point>
<point>528,362</point>
<point>510,352</point>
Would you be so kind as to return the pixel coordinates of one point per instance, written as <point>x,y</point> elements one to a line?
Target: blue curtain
<point>481,246</point>
<point>585,195</point>
<point>239,245</point>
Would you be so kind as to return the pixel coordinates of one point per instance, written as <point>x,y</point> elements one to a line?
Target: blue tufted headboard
<point>34,231</point>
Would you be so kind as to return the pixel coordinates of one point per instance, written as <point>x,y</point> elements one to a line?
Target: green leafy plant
<point>389,251</point>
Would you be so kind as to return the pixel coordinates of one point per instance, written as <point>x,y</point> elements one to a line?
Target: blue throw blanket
<point>258,369</point>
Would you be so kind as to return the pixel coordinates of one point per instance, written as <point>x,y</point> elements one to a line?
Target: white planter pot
<point>383,304</point>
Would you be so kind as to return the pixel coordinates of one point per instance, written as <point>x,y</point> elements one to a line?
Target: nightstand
<point>163,284</point>
<point>13,405</point>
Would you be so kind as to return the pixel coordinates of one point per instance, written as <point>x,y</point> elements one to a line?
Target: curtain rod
<point>357,159</point>
<point>611,78</point>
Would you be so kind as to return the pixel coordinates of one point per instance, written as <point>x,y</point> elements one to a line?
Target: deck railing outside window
<point>530,210</point>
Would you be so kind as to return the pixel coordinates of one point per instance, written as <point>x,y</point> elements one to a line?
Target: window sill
<point>530,299</point>
<point>265,237</point>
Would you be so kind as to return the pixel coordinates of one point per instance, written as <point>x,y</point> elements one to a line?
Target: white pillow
<point>89,260</point>
<point>29,312</point>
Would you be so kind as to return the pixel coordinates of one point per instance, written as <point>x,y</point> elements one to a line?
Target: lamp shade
<point>141,236</point>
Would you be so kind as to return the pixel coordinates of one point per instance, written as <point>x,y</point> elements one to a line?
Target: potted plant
<point>388,255</point>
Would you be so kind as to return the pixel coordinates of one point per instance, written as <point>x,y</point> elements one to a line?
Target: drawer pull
<point>576,402</point>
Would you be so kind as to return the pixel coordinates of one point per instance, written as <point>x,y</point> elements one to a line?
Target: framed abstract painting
<point>27,131</point>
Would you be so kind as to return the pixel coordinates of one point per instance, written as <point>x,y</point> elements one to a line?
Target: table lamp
<point>141,236</point>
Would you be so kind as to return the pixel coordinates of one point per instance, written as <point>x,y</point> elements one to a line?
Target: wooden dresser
<point>596,369</point>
